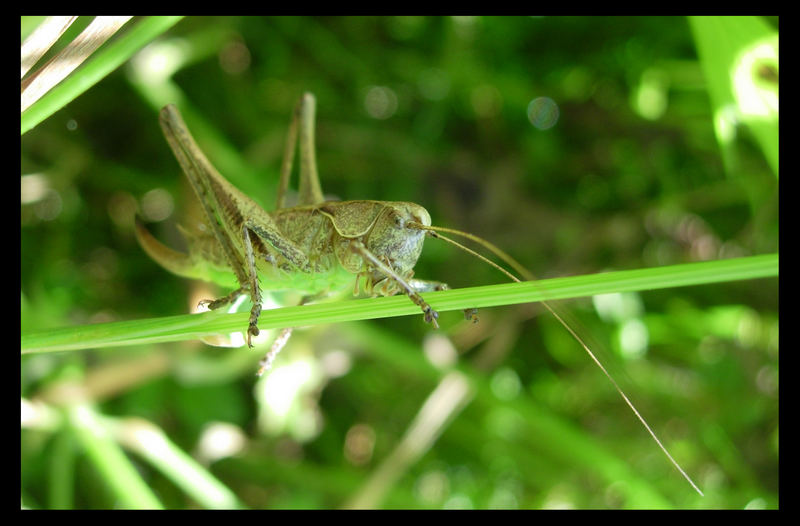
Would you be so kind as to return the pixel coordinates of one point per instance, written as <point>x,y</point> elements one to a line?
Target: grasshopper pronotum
<point>313,247</point>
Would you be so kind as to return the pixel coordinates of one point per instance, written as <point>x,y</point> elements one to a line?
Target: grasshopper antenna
<point>433,231</point>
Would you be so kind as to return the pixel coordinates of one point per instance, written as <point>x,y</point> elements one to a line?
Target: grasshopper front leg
<point>430,315</point>
<point>424,285</point>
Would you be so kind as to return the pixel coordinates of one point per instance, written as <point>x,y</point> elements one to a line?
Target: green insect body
<point>314,248</point>
<point>319,231</point>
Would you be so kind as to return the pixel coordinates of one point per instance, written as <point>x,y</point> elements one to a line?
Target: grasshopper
<point>315,247</point>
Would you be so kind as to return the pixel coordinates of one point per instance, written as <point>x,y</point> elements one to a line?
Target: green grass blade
<point>124,481</point>
<point>739,55</point>
<point>193,326</point>
<point>150,441</point>
<point>96,68</point>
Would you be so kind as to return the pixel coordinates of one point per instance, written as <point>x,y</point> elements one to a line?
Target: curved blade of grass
<point>153,444</point>
<point>114,467</point>
<point>70,58</point>
<point>101,64</point>
<point>42,39</point>
<point>546,432</point>
<point>194,326</point>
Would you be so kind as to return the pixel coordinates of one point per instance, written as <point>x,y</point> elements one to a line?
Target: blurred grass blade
<point>546,432</point>
<point>739,56</point>
<point>42,39</point>
<point>149,441</point>
<point>195,326</point>
<point>73,55</point>
<point>443,405</point>
<point>114,467</point>
<point>61,471</point>
<point>101,64</point>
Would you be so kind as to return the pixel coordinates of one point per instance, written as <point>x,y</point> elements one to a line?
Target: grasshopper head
<point>391,239</point>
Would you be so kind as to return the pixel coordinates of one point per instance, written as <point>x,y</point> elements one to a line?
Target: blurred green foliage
<point>576,144</point>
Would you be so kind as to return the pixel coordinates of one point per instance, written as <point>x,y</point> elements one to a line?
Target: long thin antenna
<point>433,231</point>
